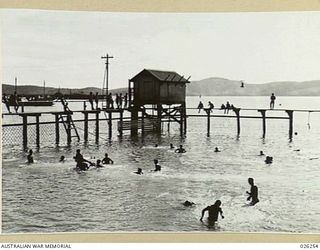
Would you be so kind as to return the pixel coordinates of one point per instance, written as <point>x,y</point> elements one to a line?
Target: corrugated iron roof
<point>165,76</point>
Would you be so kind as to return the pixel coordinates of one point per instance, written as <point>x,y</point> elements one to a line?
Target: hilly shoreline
<point>213,86</point>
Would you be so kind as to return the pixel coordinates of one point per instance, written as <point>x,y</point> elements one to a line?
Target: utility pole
<point>15,85</point>
<point>105,86</point>
<point>44,89</point>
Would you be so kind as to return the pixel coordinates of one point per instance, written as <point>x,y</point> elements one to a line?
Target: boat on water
<point>24,102</point>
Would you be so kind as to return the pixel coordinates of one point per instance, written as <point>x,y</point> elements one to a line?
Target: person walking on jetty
<point>213,211</point>
<point>30,157</point>
<point>107,159</point>
<point>157,167</point>
<point>91,100</point>
<point>272,100</point>
<point>200,106</point>
<point>253,194</point>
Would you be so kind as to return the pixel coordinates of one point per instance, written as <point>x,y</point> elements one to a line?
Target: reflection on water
<point>49,196</point>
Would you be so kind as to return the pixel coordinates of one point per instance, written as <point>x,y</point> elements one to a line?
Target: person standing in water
<point>107,160</point>
<point>180,150</point>
<point>30,157</point>
<point>272,100</point>
<point>213,210</point>
<point>253,194</point>
<point>157,166</point>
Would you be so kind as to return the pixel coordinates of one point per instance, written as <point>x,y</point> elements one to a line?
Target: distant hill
<point>213,86</point>
<point>223,87</point>
<point>37,90</point>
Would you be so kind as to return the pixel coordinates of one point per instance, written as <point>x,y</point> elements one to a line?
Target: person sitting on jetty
<point>253,194</point>
<point>217,150</point>
<point>188,203</point>
<point>30,157</point>
<point>62,158</point>
<point>211,106</point>
<point>106,159</point>
<point>171,146</point>
<point>222,107</point>
<point>214,211</point>
<point>81,162</point>
<point>261,153</point>
<point>156,165</point>
<point>98,164</point>
<point>200,106</point>
<point>96,99</point>
<point>180,150</point>
<point>139,171</point>
<point>91,100</point>
<point>268,160</point>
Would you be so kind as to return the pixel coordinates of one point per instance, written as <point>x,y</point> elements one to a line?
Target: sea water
<point>49,196</point>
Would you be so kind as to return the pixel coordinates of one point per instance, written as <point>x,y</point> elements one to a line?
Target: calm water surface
<point>49,196</point>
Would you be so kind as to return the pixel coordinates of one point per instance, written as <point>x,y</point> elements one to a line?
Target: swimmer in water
<point>253,194</point>
<point>217,150</point>
<point>98,164</point>
<point>156,145</point>
<point>188,203</point>
<point>62,158</point>
<point>261,153</point>
<point>157,166</point>
<point>268,160</point>
<point>213,210</point>
<point>180,150</point>
<point>30,157</point>
<point>107,160</point>
<point>81,162</point>
<point>171,146</point>
<point>139,171</point>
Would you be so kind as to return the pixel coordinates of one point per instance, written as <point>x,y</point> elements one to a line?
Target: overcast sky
<point>65,48</point>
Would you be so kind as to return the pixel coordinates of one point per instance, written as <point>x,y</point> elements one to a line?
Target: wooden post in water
<point>97,125</point>
<point>85,136</point>
<point>208,111</point>
<point>290,114</point>
<point>159,111</point>
<point>25,131</point>
<point>263,113</point>
<point>181,121</point>
<point>37,131</point>
<point>184,118</point>
<point>142,121</point>
<point>110,124</point>
<point>57,128</point>
<point>68,129</point>
<point>237,111</point>
<point>169,119</point>
<point>121,123</point>
<point>134,121</point>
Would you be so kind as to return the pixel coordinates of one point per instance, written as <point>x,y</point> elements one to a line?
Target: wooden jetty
<point>154,98</point>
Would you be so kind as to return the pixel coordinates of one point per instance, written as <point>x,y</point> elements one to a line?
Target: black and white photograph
<point>160,122</point>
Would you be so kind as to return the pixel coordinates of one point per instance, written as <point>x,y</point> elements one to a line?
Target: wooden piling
<point>68,129</point>
<point>208,121</point>
<point>97,126</point>
<point>263,113</point>
<point>237,111</point>
<point>110,124</point>
<point>184,119</point>
<point>57,128</point>
<point>121,123</point>
<point>142,122</point>
<point>134,121</point>
<point>159,111</point>
<point>25,131</point>
<point>37,131</point>
<point>181,122</point>
<point>85,136</point>
<point>290,114</point>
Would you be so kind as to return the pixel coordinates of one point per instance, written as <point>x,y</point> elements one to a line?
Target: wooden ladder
<point>64,118</point>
